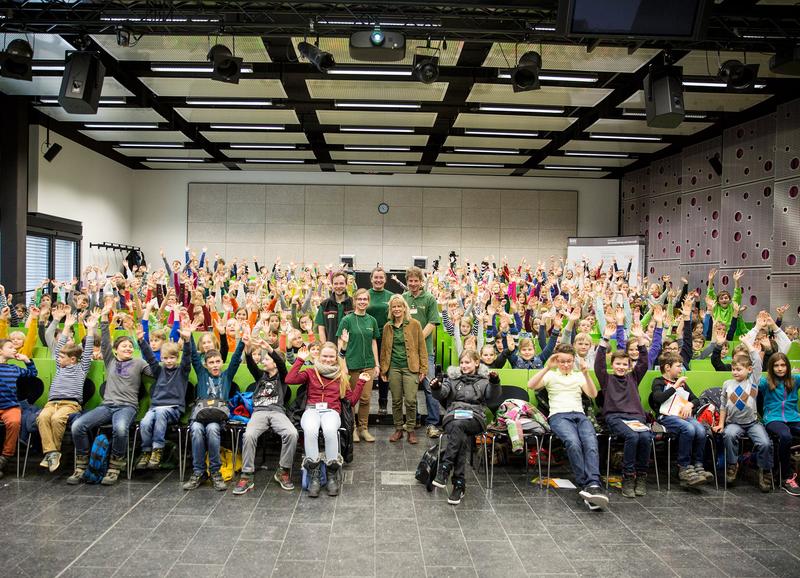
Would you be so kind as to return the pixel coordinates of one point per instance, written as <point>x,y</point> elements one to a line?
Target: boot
<point>366,436</point>
<point>689,478</point>
<point>3,462</point>
<point>115,466</point>
<point>218,482</point>
<point>628,486</point>
<point>314,482</point>
<point>442,473</point>
<point>764,480</point>
<point>155,459</point>
<point>143,462</point>
<point>81,462</point>
<point>356,439</point>
<point>640,488</point>
<point>730,473</point>
<point>333,467</point>
<point>396,436</point>
<point>412,437</point>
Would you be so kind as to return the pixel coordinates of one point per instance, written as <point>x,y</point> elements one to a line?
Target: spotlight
<point>16,60</point>
<point>377,37</point>
<point>738,76</point>
<point>526,75</point>
<point>426,68</point>
<point>124,36</point>
<point>51,152</point>
<point>322,60</point>
<point>226,66</point>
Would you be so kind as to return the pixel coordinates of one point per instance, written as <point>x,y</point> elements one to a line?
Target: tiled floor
<point>150,527</point>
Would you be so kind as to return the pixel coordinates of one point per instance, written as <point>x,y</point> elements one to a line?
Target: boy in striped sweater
<point>66,389</point>
<point>10,413</point>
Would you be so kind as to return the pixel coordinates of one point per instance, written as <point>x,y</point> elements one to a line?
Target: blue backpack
<point>98,460</point>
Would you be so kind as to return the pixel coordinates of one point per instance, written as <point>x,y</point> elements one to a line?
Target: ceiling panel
<point>340,48</point>
<point>375,169</point>
<point>376,90</point>
<point>588,161</point>
<point>205,87</point>
<point>162,152</point>
<point>375,156</point>
<point>496,142</point>
<point>278,167</point>
<point>153,48</point>
<point>547,95</point>
<point>51,85</point>
<point>608,146</point>
<point>703,63</point>
<point>512,121</point>
<point>237,115</point>
<point>256,137</point>
<point>566,173</point>
<point>104,114</point>
<point>342,138</point>
<point>470,171</point>
<point>613,125</point>
<point>187,166</point>
<point>571,57</point>
<point>375,118</point>
<point>45,46</point>
<point>706,101</point>
<point>137,135</point>
<point>268,154</point>
<point>476,158</point>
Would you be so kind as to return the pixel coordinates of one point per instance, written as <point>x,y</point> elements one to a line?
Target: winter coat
<point>467,392</point>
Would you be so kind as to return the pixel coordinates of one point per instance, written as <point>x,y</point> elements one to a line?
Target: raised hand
<point>302,353</point>
<point>365,376</point>
<point>711,274</point>
<point>139,331</point>
<point>720,336</point>
<point>738,274</point>
<point>582,363</point>
<point>345,336</point>
<point>610,330</point>
<point>91,321</point>
<point>619,316</point>
<point>782,310</point>
<point>5,313</point>
<point>658,314</point>
<point>69,321</point>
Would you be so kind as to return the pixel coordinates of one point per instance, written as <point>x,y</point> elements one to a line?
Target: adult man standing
<point>334,308</point>
<point>379,309</point>
<point>423,307</point>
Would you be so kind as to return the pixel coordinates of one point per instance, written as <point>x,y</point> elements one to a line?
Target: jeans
<point>119,416</point>
<point>459,432</point>
<point>260,422</point>
<point>636,453</point>
<point>431,402</point>
<point>784,432</point>
<point>577,434</point>
<point>692,437</point>
<point>311,422</point>
<point>205,437</point>
<point>756,432</point>
<point>153,426</point>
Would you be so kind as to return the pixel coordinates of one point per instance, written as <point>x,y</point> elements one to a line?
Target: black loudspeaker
<point>82,83</point>
<point>663,96</point>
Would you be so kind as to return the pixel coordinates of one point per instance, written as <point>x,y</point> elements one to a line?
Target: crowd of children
<point>310,325</point>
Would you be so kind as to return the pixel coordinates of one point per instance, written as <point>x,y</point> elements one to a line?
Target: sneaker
<point>194,481</point>
<point>218,483</point>
<point>433,432</point>
<point>591,506</point>
<point>366,436</point>
<point>81,462</point>
<point>143,462</point>
<point>765,480</point>
<point>457,494</point>
<point>594,494</point>
<point>628,486</point>
<point>689,478</point>
<point>45,463</point>
<point>356,439</point>
<point>243,486</point>
<point>790,486</point>
<point>442,473</point>
<point>155,459</point>
<point>730,473</point>
<point>700,471</point>
<point>54,461</point>
<point>284,478</point>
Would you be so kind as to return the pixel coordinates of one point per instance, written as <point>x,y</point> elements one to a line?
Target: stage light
<point>16,60</point>
<point>322,60</point>
<point>225,66</point>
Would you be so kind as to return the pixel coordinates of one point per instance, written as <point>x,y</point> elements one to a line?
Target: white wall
<point>160,206</point>
<point>84,186</point>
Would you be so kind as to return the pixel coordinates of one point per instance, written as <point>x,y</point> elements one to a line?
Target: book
<point>675,403</point>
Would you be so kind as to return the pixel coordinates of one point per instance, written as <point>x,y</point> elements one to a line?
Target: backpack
<point>426,469</point>
<point>98,460</point>
<point>348,423</point>
<point>306,479</point>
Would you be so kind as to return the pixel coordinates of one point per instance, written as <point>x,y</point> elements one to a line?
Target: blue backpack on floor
<point>323,476</point>
<point>98,460</point>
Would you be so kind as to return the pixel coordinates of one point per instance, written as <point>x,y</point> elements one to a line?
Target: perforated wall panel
<point>786,223</point>
<point>655,269</point>
<point>636,216</point>
<point>697,276</point>
<point>749,151</point>
<point>785,289</point>
<point>755,289</point>
<point>636,184</point>
<point>665,175</point>
<point>700,226</point>
<point>697,172</point>
<point>747,225</point>
<point>787,142</point>
<point>665,227</point>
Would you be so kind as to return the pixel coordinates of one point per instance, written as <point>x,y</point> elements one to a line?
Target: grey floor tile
<point>495,559</point>
<point>396,536</point>
<point>400,565</point>
<point>264,525</point>
<point>480,525</point>
<point>252,558</point>
<point>195,571</point>
<point>354,521</point>
<point>146,563</point>
<point>542,554</point>
<point>444,548</point>
<point>348,557</point>
<point>211,543</point>
<point>306,542</point>
<point>451,571</point>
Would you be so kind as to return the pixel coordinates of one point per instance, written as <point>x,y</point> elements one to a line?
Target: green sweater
<point>725,314</point>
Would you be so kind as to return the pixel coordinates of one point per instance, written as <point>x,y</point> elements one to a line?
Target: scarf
<point>328,371</point>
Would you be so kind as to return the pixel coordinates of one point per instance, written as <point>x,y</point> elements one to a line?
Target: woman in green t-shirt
<point>404,361</point>
<point>358,335</point>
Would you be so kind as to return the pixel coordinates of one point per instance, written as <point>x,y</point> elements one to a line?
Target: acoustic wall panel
<point>747,225</point>
<point>698,160</point>
<point>756,288</point>
<point>700,226</point>
<point>786,223</point>
<point>749,151</point>
<point>665,175</point>
<point>665,227</point>
<point>657,269</point>
<point>784,289</point>
<point>787,140</point>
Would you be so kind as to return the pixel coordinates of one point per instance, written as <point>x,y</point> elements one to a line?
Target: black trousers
<point>459,432</point>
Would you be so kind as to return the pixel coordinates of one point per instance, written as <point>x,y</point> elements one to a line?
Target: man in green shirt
<point>423,307</point>
<point>379,309</point>
<point>334,308</point>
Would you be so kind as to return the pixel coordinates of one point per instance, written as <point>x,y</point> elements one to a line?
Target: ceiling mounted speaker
<point>738,76</point>
<point>226,66</point>
<point>322,60</point>
<point>16,60</point>
<point>426,68</point>
<point>526,74</point>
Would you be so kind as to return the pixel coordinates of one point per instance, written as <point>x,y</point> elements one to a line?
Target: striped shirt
<point>9,374</point>
<point>68,381</point>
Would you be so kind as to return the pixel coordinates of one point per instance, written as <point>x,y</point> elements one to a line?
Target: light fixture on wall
<point>50,150</point>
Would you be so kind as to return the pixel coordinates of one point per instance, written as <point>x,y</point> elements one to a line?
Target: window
<point>52,250</point>
<point>66,265</point>
<point>37,256</point>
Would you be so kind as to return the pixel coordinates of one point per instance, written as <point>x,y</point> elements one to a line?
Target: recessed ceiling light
<point>588,79</point>
<point>374,129</point>
<point>642,114</point>
<point>221,102</point>
<point>524,110</point>
<point>392,163</point>
<point>152,145</point>
<point>117,125</point>
<point>376,105</point>
<point>47,67</point>
<point>247,126</point>
<point>371,71</point>
<point>706,84</point>
<point>573,168</point>
<point>486,151</point>
<point>624,137</point>
<point>174,160</point>
<point>276,161</point>
<point>599,155</point>
<point>262,146</point>
<point>479,165</point>
<point>477,132</point>
<point>103,101</point>
<point>245,69</point>
<point>377,148</point>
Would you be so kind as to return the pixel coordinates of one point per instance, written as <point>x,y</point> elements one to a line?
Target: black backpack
<point>426,470</point>
<point>348,423</point>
